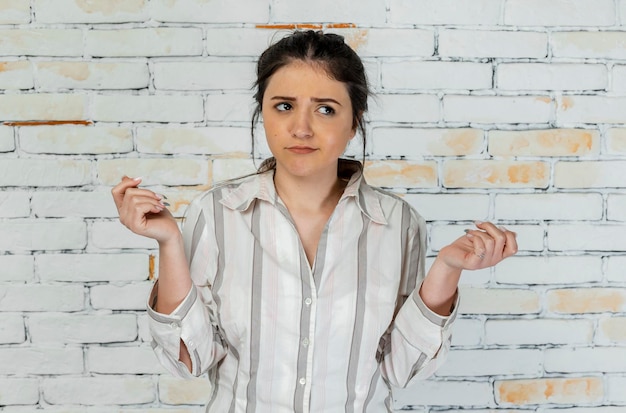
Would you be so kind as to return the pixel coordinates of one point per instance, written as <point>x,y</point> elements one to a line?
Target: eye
<point>283,106</point>
<point>326,110</point>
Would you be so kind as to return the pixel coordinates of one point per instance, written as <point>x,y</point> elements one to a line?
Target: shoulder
<point>395,207</point>
<point>220,191</point>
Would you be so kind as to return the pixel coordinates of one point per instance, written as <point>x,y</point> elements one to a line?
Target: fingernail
<point>139,178</point>
<point>466,230</point>
<point>478,222</point>
<point>166,203</point>
<point>501,228</point>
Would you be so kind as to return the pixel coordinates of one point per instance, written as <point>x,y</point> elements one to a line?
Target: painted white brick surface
<point>510,111</point>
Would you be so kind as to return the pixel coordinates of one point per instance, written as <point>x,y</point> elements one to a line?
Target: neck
<point>309,193</point>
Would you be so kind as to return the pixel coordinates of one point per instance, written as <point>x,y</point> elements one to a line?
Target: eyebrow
<point>318,100</point>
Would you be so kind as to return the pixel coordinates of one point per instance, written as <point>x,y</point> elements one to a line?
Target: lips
<point>302,150</point>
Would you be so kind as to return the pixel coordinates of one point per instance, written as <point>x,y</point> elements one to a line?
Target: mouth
<point>300,149</point>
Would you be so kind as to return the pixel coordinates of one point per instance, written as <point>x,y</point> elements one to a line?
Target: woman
<point>301,288</point>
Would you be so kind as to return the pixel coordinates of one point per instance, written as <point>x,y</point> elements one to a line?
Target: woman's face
<point>307,118</point>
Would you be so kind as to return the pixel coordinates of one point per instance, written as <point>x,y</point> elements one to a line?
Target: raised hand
<point>143,211</point>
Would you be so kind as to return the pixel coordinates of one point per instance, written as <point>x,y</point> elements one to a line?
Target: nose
<point>301,126</point>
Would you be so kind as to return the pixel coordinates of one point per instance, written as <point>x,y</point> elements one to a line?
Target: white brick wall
<point>504,110</point>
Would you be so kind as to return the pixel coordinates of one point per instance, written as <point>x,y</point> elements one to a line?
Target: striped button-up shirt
<point>275,334</point>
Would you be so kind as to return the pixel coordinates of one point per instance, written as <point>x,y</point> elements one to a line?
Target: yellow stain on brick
<point>495,174</point>
<point>567,103</point>
<point>614,329</point>
<point>74,70</point>
<point>401,174</point>
<point>356,38</point>
<point>151,267</point>
<point>545,142</point>
<point>544,99</point>
<point>110,6</point>
<point>588,300</point>
<point>559,391</point>
<point>18,65</point>
<point>457,142</point>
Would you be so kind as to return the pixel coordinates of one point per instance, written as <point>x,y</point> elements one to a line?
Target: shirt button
<point>305,342</point>
<point>307,301</point>
<point>302,381</point>
<point>174,325</point>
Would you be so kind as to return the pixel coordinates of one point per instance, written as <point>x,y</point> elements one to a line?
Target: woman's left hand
<point>480,248</point>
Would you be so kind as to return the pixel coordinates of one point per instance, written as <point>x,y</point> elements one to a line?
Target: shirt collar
<point>261,186</point>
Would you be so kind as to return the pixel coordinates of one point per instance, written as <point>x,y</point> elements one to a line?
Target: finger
<point>511,243</point>
<point>498,237</point>
<point>135,219</point>
<point>119,190</point>
<point>478,245</point>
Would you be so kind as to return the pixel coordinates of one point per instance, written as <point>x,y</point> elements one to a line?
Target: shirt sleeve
<point>193,321</point>
<point>418,340</point>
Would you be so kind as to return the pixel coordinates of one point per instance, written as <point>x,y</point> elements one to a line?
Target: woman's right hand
<point>143,211</point>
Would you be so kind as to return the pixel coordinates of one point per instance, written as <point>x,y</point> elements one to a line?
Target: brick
<point>538,332</point>
<point>98,390</point>
<point>92,267</point>
<point>373,42</point>
<point>228,41</point>
<point>153,108</point>
<point>16,75</point>
<point>585,359</point>
<point>588,44</point>
<point>436,75</point>
<point>446,12</point>
<point>589,174</point>
<point>618,77</point>
<point>586,300</point>
<point>560,13</point>
<point>14,204</point>
<point>545,142</point>
<point>435,393</point>
<point>202,140</point>
<point>114,235</point>
<point>7,141</point>
<point>149,42</point>
<point>492,43</point>
<point>38,297</point>
<point>84,11</point>
<point>143,328</point>
<point>604,409</point>
<point>615,207</point>
<point>497,109</point>
<point>122,297</point>
<point>214,75</point>
<point>450,207</point>
<point>467,332</point>
<point>615,390</point>
<point>44,172</point>
<point>18,391</point>
<point>40,360</point>
<point>75,140</point>
<point>124,360</point>
<point>58,204</point>
<point>499,301</point>
<point>41,42</point>
<point>549,206</point>
<point>412,142</point>
<point>176,391</point>
<point>591,109</point>
<point>405,108</point>
<point>39,234</point>
<point>154,171</point>
<point>549,270</point>
<point>495,174</point>
<point>42,107</point>
<point>11,330</point>
<point>14,12</point>
<point>401,174</point>
<point>200,11</point>
<point>614,268</point>
<point>62,328</point>
<point>230,107</point>
<point>596,237</point>
<point>492,362</point>
<point>529,237</point>
<point>364,13</point>
<point>18,268</point>
<point>553,390</point>
<point>224,169</point>
<point>92,75</point>
<point>616,141</point>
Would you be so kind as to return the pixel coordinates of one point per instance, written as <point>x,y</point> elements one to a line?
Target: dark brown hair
<point>332,54</point>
